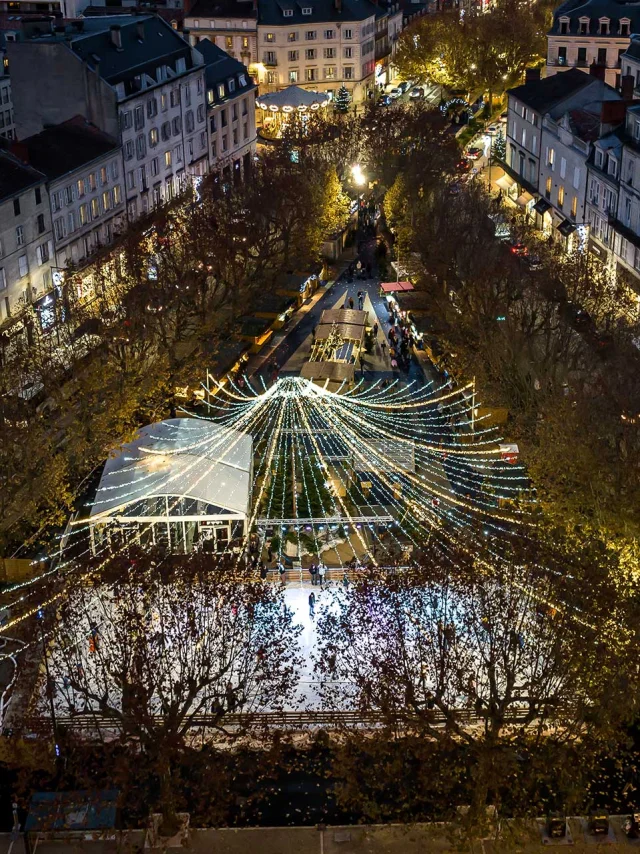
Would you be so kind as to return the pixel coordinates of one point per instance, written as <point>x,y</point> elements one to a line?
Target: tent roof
<point>391,287</point>
<point>292,96</point>
<point>344,315</point>
<point>178,457</point>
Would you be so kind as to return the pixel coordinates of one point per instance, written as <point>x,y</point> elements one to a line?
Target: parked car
<point>493,129</point>
<point>405,86</point>
<point>473,153</point>
<point>417,92</point>
<point>385,100</point>
<point>463,165</point>
<point>518,248</point>
<point>395,93</point>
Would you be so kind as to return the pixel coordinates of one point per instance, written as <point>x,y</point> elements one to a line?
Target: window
<point>612,166</point>
<point>221,92</point>
<point>269,37</point>
<point>200,112</point>
<point>106,200</point>
<point>138,118</point>
<point>16,207</point>
<point>58,228</point>
<point>292,56</point>
<point>213,126</point>
<point>547,189</point>
<point>584,26</point>
<point>245,130</point>
<point>19,236</point>
<point>229,42</point>
<point>231,84</point>
<point>347,34</point>
<point>38,195</point>
<point>210,97</point>
<point>131,180</point>
<point>330,72</point>
<point>576,177</point>
<point>167,159</point>
<point>175,126</point>
<point>244,107</point>
<point>223,118</point>
<point>288,13</point>
<point>199,85</point>
<point>272,77</point>
<point>164,104</point>
<point>551,157</point>
<point>562,56</point>
<point>636,131</point>
<point>624,28</point>
<point>563,167</point>
<point>3,280</point>
<point>306,10</point>
<point>128,155</point>
<point>42,251</point>
<point>152,108</point>
<point>292,37</point>
<point>329,53</point>
<point>348,72</point>
<point>582,56</point>
<point>310,75</point>
<point>71,222</point>
<point>560,196</point>
<point>574,207</point>
<point>84,214</point>
<point>310,53</point>
<point>165,131</point>
<point>234,112</point>
<point>154,167</point>
<point>178,153</point>
<point>293,76</point>
<point>564,28</point>
<point>189,122</point>
<point>23,265</point>
<point>235,136</point>
<point>154,137</point>
<point>95,208</point>
<point>117,194</point>
<point>310,35</point>
<point>175,97</point>
<point>141,148</point>
<point>126,120</point>
<point>203,142</point>
<point>602,56</point>
<point>328,34</point>
<point>40,223</point>
<point>245,44</point>
<point>604,26</point>
<point>225,144</point>
<point>348,52</point>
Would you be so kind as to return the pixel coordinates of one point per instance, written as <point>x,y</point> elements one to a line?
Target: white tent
<point>179,482</point>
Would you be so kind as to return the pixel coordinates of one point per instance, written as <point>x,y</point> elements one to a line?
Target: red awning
<point>390,287</point>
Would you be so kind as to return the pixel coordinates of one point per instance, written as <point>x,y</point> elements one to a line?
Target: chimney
<point>338,6</point>
<point>612,112</point>
<point>116,36</point>
<point>531,75</point>
<point>627,84</point>
<point>597,71</point>
<point>140,29</point>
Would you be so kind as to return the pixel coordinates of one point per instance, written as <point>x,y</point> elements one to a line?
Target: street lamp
<point>358,176</point>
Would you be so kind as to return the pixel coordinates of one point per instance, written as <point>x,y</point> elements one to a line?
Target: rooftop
<point>16,176</point>
<point>594,10</point>
<point>222,9</point>
<point>543,95</point>
<point>66,147</point>
<point>633,50</point>
<point>295,12</point>
<point>220,67</point>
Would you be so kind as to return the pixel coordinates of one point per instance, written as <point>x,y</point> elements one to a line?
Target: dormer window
<point>564,26</point>
<point>288,13</point>
<point>242,80</point>
<point>612,166</point>
<point>625,25</point>
<point>306,10</point>
<point>231,84</point>
<point>598,158</point>
<point>604,26</point>
<point>584,26</point>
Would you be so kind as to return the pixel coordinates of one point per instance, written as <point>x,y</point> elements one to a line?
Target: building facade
<point>26,239</point>
<point>231,112</point>
<point>133,77</point>
<point>83,167</point>
<point>592,32</point>
<point>232,26</point>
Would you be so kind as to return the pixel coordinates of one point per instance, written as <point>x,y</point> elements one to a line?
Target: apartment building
<point>26,240</point>
<point>83,167</point>
<point>592,32</point>
<point>231,112</point>
<point>318,45</point>
<point>7,124</point>
<point>232,25</point>
<point>134,78</point>
<point>552,125</point>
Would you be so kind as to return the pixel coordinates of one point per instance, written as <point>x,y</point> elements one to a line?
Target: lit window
<point>167,159</point>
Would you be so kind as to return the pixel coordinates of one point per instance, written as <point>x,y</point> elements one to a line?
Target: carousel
<point>275,108</point>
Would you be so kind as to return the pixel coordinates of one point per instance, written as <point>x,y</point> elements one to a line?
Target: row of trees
<point>472,660</point>
<point>135,324</point>
<point>474,53</point>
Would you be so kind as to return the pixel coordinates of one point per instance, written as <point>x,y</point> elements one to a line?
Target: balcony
<point>270,60</point>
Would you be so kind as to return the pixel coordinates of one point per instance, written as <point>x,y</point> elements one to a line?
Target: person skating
<point>322,571</point>
<point>312,604</point>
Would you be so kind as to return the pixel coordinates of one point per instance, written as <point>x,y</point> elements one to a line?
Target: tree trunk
<point>170,821</point>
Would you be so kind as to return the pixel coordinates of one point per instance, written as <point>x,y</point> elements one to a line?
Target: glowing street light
<point>358,176</point>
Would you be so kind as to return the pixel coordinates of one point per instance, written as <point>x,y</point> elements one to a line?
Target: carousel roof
<point>292,98</point>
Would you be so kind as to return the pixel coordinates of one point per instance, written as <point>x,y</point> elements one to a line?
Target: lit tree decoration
<point>342,99</point>
<point>500,146</point>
